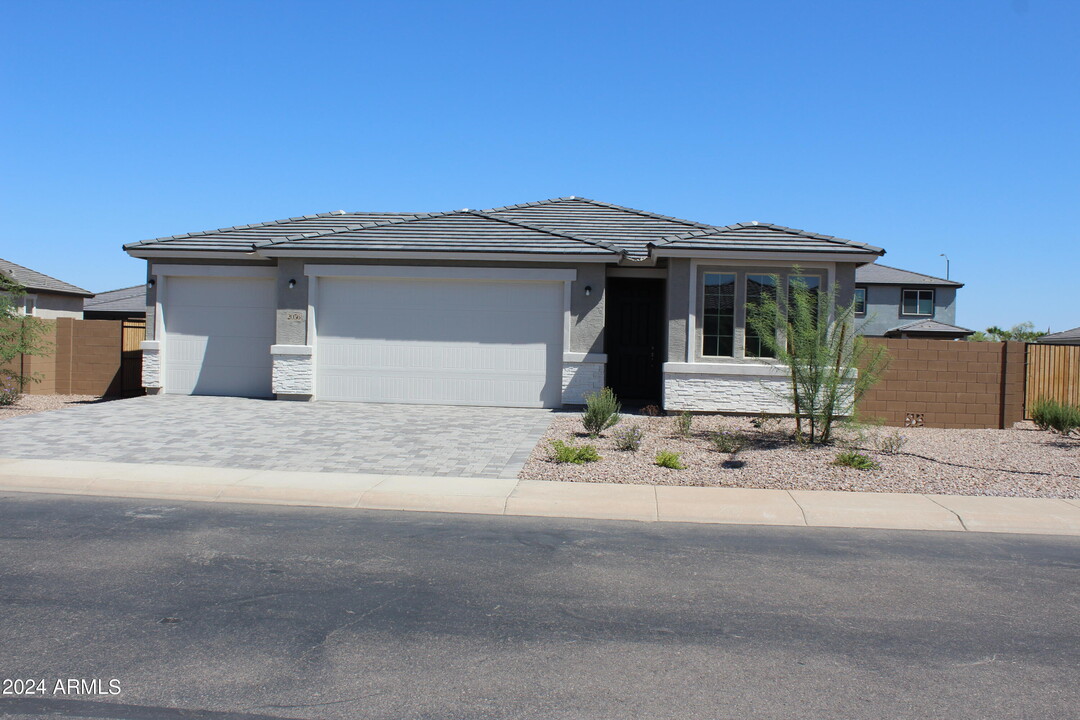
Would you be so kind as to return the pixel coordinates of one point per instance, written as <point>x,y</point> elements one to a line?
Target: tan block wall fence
<point>950,384</point>
<point>87,358</point>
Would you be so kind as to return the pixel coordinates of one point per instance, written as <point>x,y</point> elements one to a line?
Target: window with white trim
<point>918,302</point>
<point>860,301</point>
<point>758,288</point>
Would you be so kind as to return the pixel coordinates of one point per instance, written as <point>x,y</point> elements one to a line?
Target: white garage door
<point>218,333</point>
<point>449,342</point>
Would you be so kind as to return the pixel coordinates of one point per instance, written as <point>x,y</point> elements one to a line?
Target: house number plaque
<point>295,316</point>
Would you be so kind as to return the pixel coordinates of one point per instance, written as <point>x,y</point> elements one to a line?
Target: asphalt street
<point>255,612</point>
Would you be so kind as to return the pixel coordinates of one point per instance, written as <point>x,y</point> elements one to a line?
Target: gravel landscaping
<point>30,404</point>
<point>1019,462</point>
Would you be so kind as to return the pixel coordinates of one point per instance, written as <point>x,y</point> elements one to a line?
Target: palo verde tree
<point>830,365</point>
<point>20,335</point>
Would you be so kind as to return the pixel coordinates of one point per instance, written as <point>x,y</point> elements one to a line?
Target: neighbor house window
<point>30,304</point>
<point>758,288</point>
<point>719,315</point>
<point>918,302</point>
<point>860,301</point>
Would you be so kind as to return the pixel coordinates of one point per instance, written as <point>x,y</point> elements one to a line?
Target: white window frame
<point>855,299</point>
<point>903,301</point>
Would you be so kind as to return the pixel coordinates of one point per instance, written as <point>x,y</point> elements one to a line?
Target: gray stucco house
<point>891,302</point>
<point>46,297</point>
<point>529,305</point>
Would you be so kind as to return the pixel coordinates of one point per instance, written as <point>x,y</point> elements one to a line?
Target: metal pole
<point>946,265</point>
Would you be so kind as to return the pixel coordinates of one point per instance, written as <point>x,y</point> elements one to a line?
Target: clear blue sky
<point>922,127</point>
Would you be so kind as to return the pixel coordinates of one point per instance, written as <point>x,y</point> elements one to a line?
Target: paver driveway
<point>268,435</point>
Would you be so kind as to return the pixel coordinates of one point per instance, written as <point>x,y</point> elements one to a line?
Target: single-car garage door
<point>447,342</point>
<point>218,333</point>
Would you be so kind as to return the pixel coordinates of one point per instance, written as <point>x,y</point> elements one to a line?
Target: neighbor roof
<point>1065,337</point>
<point>930,326</point>
<point>878,274</point>
<point>34,281</point>
<point>126,300</point>
<point>567,225</point>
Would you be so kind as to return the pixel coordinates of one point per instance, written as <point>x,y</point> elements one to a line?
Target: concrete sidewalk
<point>495,496</point>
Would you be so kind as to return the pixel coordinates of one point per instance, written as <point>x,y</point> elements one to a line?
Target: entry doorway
<point>635,339</point>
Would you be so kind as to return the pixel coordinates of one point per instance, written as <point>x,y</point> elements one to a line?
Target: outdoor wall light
<point>588,290</point>
<point>292,284</point>
<point>150,283</point>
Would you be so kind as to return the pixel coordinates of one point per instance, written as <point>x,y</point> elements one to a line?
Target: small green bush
<point>576,454</point>
<point>852,459</point>
<point>629,438</point>
<point>891,444</point>
<point>668,459</point>
<point>601,411</point>
<point>683,424</point>
<point>1056,416</point>
<point>9,390</point>
<point>728,442</point>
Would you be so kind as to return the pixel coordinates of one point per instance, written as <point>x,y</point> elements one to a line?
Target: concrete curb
<point>646,503</point>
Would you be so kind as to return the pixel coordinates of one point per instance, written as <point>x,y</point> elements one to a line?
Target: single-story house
<point>124,304</point>
<point>1065,337</point>
<point>530,305</point>
<point>46,297</point>
<point>890,302</point>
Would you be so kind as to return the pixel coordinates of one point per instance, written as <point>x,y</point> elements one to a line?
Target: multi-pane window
<point>719,315</point>
<point>918,302</point>
<point>758,287</point>
<point>812,283</point>
<point>860,301</point>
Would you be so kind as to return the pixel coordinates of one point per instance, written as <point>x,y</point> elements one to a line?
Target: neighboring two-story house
<point>890,302</point>
<point>46,297</point>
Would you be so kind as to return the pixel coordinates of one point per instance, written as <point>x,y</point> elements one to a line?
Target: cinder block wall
<point>951,384</point>
<point>85,359</point>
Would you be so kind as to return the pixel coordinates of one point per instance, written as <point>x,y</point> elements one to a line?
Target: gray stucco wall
<point>678,293</point>
<point>884,306</point>
<point>49,306</point>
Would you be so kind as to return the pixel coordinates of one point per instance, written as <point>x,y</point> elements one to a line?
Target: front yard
<point>30,404</point>
<point>1020,462</point>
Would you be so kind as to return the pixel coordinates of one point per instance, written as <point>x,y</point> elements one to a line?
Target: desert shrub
<point>1056,416</point>
<point>765,423</point>
<point>891,444</point>
<point>852,459</point>
<point>9,390</point>
<point>576,454</point>
<point>668,459</point>
<point>728,442</point>
<point>629,438</point>
<point>601,411</point>
<point>650,410</point>
<point>684,421</point>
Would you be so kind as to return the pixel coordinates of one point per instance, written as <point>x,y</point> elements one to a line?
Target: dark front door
<point>634,338</point>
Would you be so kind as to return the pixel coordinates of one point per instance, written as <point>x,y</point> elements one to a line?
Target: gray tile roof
<point>628,228</point>
<point>764,237</point>
<point>930,326</point>
<point>564,225</point>
<point>126,300</point>
<point>1065,337</point>
<point>34,281</point>
<point>244,238</point>
<point>877,274</point>
<point>460,231</point>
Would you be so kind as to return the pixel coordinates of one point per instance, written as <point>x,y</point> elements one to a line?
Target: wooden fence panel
<point>1053,372</point>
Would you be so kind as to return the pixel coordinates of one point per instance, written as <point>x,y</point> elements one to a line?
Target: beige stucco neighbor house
<point>530,305</point>
<point>46,297</point>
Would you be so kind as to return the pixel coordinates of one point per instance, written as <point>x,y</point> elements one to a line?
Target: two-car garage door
<point>433,341</point>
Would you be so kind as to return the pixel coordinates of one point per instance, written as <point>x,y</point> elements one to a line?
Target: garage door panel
<point>448,342</point>
<point>218,333</point>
